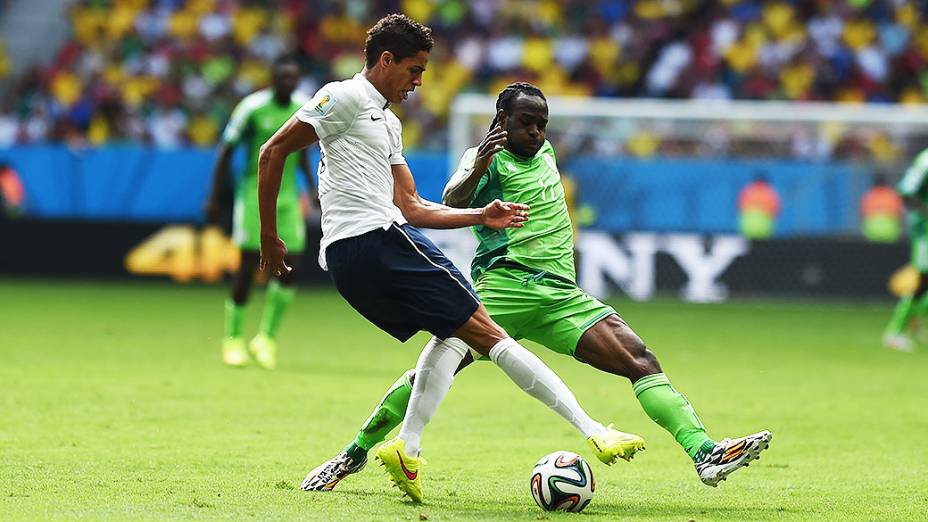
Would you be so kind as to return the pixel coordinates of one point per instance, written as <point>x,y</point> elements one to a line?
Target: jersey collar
<point>372,91</point>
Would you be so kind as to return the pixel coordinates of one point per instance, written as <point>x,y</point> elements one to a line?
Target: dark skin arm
<point>461,189</point>
<point>304,166</point>
<point>291,137</point>
<point>425,214</point>
<point>220,178</point>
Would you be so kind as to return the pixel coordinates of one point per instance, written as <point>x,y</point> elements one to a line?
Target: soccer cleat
<point>233,352</point>
<point>264,350</point>
<point>404,471</point>
<point>729,455</point>
<point>612,444</point>
<point>898,342</point>
<point>328,474</point>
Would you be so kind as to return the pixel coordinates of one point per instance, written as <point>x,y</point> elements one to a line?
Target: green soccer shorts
<point>535,306</point>
<point>246,225</point>
<point>918,234</point>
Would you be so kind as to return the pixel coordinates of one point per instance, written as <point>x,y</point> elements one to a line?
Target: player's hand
<point>493,142</point>
<point>273,251</point>
<point>500,214</point>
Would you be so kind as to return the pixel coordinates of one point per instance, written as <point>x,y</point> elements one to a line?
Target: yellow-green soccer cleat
<point>233,352</point>
<point>612,444</point>
<point>264,350</point>
<point>404,471</point>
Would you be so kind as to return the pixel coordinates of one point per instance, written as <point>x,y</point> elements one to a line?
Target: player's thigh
<point>612,346</point>
<point>565,315</point>
<point>509,304</point>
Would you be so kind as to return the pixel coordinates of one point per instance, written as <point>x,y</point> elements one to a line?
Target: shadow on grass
<point>469,506</point>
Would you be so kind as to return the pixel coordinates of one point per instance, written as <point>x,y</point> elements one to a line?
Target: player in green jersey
<point>914,191</point>
<point>256,118</point>
<point>525,278</point>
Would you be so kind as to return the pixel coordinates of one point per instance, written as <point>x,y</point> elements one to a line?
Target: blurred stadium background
<point>713,151</point>
<point>112,114</point>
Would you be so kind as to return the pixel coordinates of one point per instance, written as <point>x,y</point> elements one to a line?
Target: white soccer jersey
<point>360,138</point>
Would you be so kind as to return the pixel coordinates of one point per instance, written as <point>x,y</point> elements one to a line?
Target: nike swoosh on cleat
<point>409,474</point>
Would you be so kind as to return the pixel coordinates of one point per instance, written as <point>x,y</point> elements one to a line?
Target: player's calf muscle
<point>613,347</point>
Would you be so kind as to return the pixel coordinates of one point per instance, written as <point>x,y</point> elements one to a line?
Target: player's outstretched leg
<point>233,344</point>
<point>434,374</point>
<point>612,346</point>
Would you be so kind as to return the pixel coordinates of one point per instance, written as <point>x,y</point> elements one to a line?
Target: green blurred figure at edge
<point>914,191</point>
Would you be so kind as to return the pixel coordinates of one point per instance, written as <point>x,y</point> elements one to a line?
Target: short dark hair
<point>510,93</point>
<point>399,34</point>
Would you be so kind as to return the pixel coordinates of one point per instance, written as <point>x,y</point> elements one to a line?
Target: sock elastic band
<point>649,381</point>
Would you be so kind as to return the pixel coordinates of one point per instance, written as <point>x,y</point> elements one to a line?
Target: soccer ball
<point>562,481</point>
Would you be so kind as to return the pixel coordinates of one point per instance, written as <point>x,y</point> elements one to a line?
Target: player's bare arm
<point>307,171</point>
<point>461,187</point>
<point>220,178</point>
<point>293,136</point>
<point>425,214</point>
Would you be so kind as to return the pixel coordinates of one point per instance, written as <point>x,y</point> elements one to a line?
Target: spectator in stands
<point>758,208</point>
<point>881,212</point>
<point>186,63</point>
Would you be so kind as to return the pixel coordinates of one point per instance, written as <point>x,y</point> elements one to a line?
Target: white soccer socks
<point>434,374</point>
<point>539,381</point>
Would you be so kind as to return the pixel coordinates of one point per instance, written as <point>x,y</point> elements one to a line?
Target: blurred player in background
<point>255,119</point>
<point>914,191</point>
<point>526,279</point>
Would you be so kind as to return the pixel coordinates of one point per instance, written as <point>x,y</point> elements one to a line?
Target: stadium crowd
<point>168,72</point>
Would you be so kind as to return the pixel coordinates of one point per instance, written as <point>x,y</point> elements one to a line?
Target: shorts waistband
<point>536,274</point>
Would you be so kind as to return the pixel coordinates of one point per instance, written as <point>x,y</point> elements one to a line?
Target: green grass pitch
<point>114,405</point>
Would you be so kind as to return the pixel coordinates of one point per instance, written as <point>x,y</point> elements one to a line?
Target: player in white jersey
<point>381,264</point>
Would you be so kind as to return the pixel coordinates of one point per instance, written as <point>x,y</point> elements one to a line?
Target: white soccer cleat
<point>899,343</point>
<point>731,455</point>
<point>328,474</point>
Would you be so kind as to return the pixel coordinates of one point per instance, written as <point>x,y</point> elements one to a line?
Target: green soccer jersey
<point>915,181</point>
<point>546,242</point>
<point>915,184</point>
<point>255,119</point>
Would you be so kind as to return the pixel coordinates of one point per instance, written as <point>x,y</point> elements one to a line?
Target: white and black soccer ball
<point>562,481</point>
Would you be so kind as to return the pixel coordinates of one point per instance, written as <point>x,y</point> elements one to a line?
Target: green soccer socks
<point>278,300</point>
<point>388,415</point>
<point>235,315</point>
<point>670,409</point>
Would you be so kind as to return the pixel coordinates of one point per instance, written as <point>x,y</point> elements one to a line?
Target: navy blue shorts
<point>400,281</point>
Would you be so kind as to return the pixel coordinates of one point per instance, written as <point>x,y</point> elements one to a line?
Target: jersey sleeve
<point>238,123</point>
<point>396,142</point>
<point>914,179</point>
<point>465,167</point>
<point>332,110</point>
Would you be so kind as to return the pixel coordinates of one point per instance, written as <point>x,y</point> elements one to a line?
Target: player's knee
<point>480,332</point>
